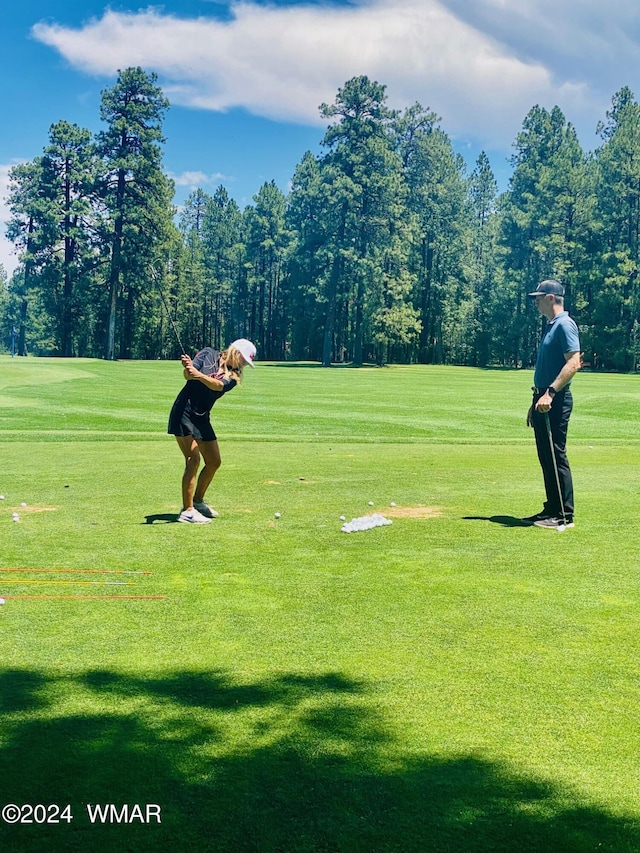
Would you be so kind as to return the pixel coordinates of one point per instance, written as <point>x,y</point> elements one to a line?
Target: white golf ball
<point>343,518</point>
<point>277,515</point>
<point>1,497</point>
<point>23,503</point>
<point>370,503</point>
<point>393,503</point>
<point>2,601</point>
<point>15,516</point>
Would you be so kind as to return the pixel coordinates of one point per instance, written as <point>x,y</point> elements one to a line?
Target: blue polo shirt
<point>561,337</point>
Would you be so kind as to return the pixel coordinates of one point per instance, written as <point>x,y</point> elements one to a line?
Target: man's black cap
<point>548,286</point>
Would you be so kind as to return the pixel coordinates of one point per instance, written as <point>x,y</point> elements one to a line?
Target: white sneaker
<point>192,516</point>
<point>205,509</point>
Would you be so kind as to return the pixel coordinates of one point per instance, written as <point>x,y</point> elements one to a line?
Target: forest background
<point>384,249</point>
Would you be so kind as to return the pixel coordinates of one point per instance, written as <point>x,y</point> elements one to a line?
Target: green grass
<point>455,683</point>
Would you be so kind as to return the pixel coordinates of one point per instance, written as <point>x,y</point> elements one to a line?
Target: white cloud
<point>7,257</point>
<point>282,62</point>
<point>576,39</point>
<point>197,180</point>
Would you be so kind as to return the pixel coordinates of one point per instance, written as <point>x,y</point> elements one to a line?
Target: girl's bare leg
<point>211,454</point>
<point>189,447</point>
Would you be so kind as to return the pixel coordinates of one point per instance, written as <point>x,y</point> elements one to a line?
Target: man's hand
<point>544,403</point>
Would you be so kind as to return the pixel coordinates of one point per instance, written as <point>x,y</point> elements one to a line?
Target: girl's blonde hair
<point>232,363</point>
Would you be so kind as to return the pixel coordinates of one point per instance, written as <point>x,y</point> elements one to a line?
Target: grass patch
<point>448,683</point>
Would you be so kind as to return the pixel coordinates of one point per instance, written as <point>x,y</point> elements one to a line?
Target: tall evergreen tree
<point>314,218</point>
<point>615,296</point>
<point>31,228</point>
<point>55,213</point>
<point>369,238</point>
<point>70,170</point>
<point>224,251</point>
<point>546,215</point>
<point>136,191</point>
<point>483,262</point>
<point>193,301</point>
<point>437,201</point>
<point>267,241</point>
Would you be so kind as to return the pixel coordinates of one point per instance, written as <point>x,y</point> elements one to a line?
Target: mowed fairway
<point>453,682</point>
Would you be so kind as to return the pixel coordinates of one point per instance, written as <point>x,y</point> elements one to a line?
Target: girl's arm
<point>209,381</point>
<point>191,372</point>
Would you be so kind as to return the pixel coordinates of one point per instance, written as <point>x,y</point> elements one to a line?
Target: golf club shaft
<point>154,275</point>
<point>173,325</point>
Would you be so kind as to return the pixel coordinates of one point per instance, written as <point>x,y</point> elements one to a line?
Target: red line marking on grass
<point>95,583</point>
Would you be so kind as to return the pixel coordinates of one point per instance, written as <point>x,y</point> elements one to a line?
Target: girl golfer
<point>209,375</point>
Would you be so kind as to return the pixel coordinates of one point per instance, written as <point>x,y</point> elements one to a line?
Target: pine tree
<point>136,192</point>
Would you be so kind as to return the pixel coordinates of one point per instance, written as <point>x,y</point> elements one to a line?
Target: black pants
<point>559,421</point>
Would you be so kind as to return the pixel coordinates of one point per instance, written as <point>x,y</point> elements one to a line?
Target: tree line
<point>384,249</point>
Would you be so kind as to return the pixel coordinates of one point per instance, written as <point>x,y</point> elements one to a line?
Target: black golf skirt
<point>184,422</point>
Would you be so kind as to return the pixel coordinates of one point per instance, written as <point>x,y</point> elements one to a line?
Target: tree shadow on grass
<point>504,520</point>
<point>289,763</point>
<point>23,691</point>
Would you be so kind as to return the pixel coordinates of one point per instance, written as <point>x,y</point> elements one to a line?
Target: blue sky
<point>245,79</point>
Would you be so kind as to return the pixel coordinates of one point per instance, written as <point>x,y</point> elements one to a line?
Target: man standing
<point>557,363</point>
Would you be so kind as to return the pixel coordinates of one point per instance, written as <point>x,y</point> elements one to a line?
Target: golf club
<point>563,526</point>
<point>155,275</point>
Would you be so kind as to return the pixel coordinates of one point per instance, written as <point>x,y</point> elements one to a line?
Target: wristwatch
<point>551,391</point>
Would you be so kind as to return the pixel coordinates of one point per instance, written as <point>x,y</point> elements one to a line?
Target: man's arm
<point>569,369</point>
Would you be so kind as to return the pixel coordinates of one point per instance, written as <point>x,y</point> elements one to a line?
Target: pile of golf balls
<point>365,522</point>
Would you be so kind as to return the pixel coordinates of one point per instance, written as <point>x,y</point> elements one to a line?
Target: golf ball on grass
<point>277,515</point>
<point>23,503</point>
<point>370,503</point>
<point>15,516</point>
<point>2,601</point>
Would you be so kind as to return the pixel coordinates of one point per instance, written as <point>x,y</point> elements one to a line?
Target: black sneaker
<point>554,523</point>
<point>539,516</point>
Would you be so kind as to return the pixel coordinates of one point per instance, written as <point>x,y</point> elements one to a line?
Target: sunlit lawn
<point>450,682</point>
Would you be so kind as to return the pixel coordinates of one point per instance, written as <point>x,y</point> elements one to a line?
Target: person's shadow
<point>161,518</point>
<point>504,520</point>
